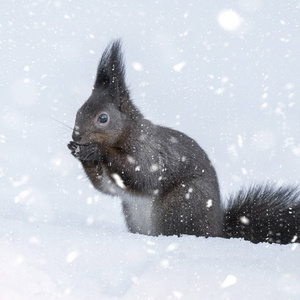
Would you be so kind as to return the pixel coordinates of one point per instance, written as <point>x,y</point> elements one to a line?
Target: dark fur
<point>264,213</point>
<point>162,175</point>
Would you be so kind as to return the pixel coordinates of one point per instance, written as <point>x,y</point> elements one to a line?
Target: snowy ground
<point>225,74</point>
<point>48,261</point>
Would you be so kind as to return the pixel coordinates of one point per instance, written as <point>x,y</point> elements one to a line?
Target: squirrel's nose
<point>76,136</point>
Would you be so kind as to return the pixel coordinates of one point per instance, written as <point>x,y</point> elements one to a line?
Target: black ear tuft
<point>111,70</point>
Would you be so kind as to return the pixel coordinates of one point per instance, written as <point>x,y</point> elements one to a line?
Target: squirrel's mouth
<point>88,151</point>
<point>73,144</point>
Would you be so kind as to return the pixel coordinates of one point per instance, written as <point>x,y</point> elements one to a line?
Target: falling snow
<point>209,203</point>
<point>118,180</point>
<point>244,220</point>
<point>154,168</point>
<point>230,20</point>
<point>137,66</point>
<point>229,280</point>
<point>178,67</point>
<point>226,74</point>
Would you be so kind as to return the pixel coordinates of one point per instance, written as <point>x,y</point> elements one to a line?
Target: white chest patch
<point>139,209</point>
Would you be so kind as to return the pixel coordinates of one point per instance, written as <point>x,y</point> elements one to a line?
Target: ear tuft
<point>111,70</point>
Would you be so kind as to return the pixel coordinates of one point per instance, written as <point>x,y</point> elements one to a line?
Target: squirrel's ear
<point>111,70</point>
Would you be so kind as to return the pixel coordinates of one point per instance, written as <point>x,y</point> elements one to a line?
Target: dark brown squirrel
<point>165,180</point>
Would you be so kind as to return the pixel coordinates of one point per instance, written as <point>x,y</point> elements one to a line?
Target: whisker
<point>62,123</point>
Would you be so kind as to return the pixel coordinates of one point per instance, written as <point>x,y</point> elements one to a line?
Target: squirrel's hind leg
<point>188,210</point>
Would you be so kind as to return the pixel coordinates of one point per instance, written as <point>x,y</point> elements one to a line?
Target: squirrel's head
<point>108,113</point>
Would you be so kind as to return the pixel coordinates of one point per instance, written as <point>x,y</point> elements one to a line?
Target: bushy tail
<point>264,214</point>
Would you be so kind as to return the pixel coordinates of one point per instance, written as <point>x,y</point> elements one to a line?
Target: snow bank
<point>45,261</point>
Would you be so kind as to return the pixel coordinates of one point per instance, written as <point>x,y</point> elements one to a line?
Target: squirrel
<point>167,184</point>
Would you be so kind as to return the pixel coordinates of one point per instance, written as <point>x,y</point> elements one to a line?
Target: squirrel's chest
<point>138,210</point>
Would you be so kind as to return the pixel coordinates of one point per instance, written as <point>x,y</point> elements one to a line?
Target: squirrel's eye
<point>103,118</point>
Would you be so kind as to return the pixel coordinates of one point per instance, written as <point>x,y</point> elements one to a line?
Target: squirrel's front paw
<point>84,152</point>
<point>75,148</point>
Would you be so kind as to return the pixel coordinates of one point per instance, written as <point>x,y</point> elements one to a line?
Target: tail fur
<point>264,214</point>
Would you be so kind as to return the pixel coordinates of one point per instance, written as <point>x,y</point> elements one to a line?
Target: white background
<point>225,73</point>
